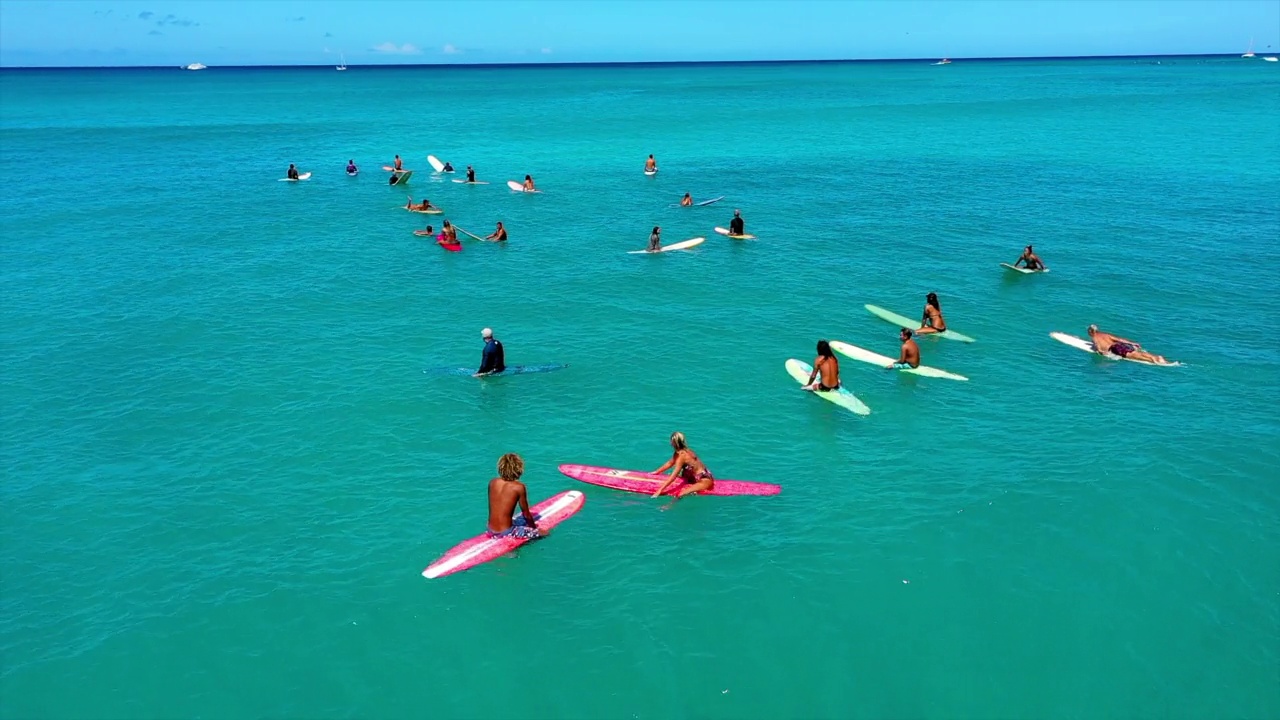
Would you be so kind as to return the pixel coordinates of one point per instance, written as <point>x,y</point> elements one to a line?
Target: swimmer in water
<point>909,357</point>
<point>828,367</point>
<point>931,321</point>
<point>686,201</point>
<point>686,465</point>
<point>498,235</point>
<point>528,184</point>
<point>1030,260</point>
<point>1104,343</point>
<point>505,492</point>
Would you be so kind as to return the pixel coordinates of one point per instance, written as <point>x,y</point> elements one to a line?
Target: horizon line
<point>631,63</point>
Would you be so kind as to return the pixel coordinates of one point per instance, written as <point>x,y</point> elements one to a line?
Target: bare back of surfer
<point>825,366</point>
<point>909,356</point>
<point>931,321</point>
<point>1030,260</point>
<point>686,465</point>
<point>498,235</point>
<point>505,492</point>
<point>398,164</point>
<point>651,165</point>
<point>686,201</point>
<point>528,184</point>
<point>1104,343</point>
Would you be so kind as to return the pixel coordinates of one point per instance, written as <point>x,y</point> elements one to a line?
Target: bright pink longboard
<point>643,482</point>
<point>482,548</point>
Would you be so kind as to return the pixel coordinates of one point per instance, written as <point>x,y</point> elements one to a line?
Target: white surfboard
<point>651,173</point>
<point>883,361</point>
<point>1085,345</point>
<point>303,176</point>
<point>801,371</point>
<point>682,245</point>
<point>402,178</point>
<point>466,182</point>
<point>435,163</point>
<point>1024,271</point>
<point>519,187</point>
<point>725,232</point>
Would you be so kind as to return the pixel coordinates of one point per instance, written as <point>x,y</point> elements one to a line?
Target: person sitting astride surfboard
<point>528,184</point>
<point>828,367</point>
<point>498,235</point>
<point>910,355</point>
<point>398,164</point>
<point>424,205</point>
<point>448,167</point>
<point>351,167</point>
<point>505,491</point>
<point>931,321</point>
<point>293,172</point>
<point>492,360</point>
<point>685,464</point>
<point>736,226</point>
<point>655,239</point>
<point>651,165</point>
<point>1105,343</point>
<point>1030,260</point>
<point>471,174</point>
<point>450,233</point>
<point>686,201</point>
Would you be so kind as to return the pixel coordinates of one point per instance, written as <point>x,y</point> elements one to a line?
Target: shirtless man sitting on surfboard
<point>931,321</point>
<point>828,367</point>
<point>910,355</point>
<point>651,165</point>
<point>505,491</point>
<point>498,235</point>
<point>1105,343</point>
<point>1030,260</point>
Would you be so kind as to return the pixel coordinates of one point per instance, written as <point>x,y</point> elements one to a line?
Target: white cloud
<point>546,51</point>
<point>390,48</point>
<point>449,49</point>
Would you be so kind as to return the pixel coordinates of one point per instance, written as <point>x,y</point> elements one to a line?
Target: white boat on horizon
<point>1249,53</point>
<point>195,66</point>
<point>943,61</point>
<point>342,62</point>
<point>1270,58</point>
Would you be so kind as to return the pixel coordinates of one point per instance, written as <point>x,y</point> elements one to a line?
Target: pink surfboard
<point>482,548</point>
<point>643,482</point>
<point>443,242</point>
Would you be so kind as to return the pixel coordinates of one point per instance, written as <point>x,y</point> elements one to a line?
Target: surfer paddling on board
<point>471,174</point>
<point>528,184</point>
<point>686,465</point>
<point>498,235</point>
<point>736,226</point>
<point>505,492</point>
<point>293,172</point>
<point>424,205</point>
<point>909,357</point>
<point>655,239</point>
<point>686,201</point>
<point>828,367</point>
<point>651,165</point>
<point>1030,260</point>
<point>931,321</point>
<point>1105,343</point>
<point>492,360</point>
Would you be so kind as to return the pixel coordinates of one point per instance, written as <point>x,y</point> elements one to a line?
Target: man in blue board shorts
<point>492,361</point>
<point>505,491</point>
<point>910,355</point>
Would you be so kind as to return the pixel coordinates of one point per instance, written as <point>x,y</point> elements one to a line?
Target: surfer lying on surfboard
<point>828,367</point>
<point>931,321</point>
<point>424,205</point>
<point>505,491</point>
<point>685,464</point>
<point>909,357</point>
<point>1030,260</point>
<point>498,235</point>
<point>1105,343</point>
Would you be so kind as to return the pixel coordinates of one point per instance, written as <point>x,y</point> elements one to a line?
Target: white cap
<point>486,333</point>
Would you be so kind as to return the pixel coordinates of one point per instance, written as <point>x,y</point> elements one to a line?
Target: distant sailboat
<point>342,64</point>
<point>195,66</point>
<point>943,61</point>
<point>1249,53</point>
<point>1271,58</point>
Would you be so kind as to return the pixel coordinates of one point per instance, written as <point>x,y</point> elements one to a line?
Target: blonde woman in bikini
<point>685,464</point>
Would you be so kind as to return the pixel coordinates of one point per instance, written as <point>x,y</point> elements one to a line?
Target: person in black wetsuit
<point>448,167</point>
<point>736,226</point>
<point>293,172</point>
<point>492,361</point>
<point>471,174</point>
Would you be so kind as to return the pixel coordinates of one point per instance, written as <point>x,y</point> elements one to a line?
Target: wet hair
<point>656,228</point>
<point>446,223</point>
<point>430,229</point>
<point>678,442</point>
<point>1029,249</point>
<point>526,177</point>
<point>510,466</point>
<point>906,333</point>
<point>932,299</point>
<point>824,348</point>
<point>1092,329</point>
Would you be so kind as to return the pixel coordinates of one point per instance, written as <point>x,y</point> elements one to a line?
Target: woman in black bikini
<point>931,321</point>
<point>826,369</point>
<point>685,464</point>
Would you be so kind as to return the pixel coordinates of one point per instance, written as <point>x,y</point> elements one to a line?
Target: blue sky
<point>270,32</point>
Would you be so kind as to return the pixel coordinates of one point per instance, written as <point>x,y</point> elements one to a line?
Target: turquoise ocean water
<point>224,466</point>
